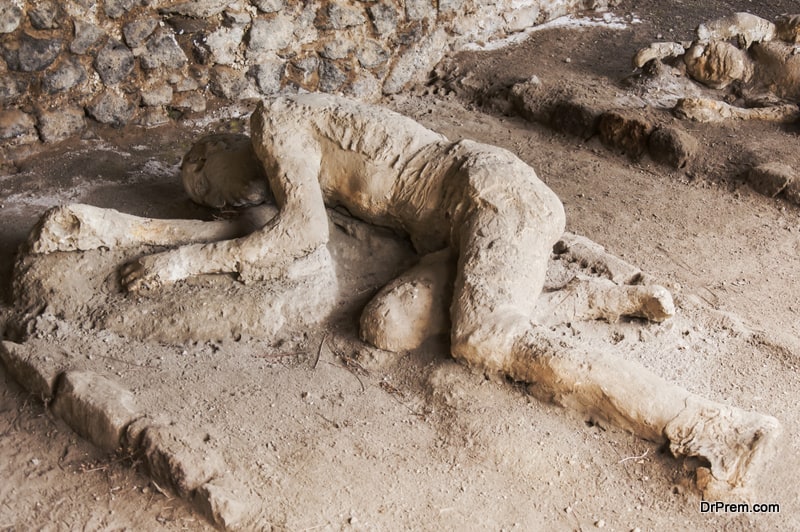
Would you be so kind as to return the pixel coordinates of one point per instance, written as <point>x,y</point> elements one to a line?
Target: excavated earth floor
<point>329,434</point>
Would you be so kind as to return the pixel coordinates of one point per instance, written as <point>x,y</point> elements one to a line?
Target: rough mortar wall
<point>146,62</point>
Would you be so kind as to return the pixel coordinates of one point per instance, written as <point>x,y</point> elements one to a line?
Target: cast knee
<point>490,344</point>
<point>404,315</point>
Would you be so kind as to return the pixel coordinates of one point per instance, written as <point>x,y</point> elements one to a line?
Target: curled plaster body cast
<point>486,225</point>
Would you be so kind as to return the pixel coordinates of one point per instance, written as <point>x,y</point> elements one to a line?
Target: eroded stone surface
<point>673,146</point>
<point>771,179</point>
<point>34,54</point>
<point>36,371</point>
<point>230,504</point>
<point>95,407</point>
<point>627,132</point>
<point>163,51</point>
<point>180,459</point>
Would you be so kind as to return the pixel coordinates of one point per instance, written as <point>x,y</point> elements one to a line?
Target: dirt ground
<point>348,438</point>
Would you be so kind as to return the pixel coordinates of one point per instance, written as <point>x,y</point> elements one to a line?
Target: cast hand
<point>152,271</point>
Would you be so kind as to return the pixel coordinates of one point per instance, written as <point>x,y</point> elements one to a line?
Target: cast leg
<point>504,247</point>
<point>80,227</point>
<point>734,442</point>
<point>505,236</point>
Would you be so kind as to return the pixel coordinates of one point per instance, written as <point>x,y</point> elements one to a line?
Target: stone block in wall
<point>10,16</point>
<point>86,36</point>
<point>137,31</point>
<point>227,82</point>
<point>15,124</point>
<point>158,95</point>
<point>450,6</point>
<point>163,51</point>
<point>419,9</point>
<point>188,25</point>
<point>338,16</point>
<point>111,108</point>
<point>31,54</point>
<point>521,19</point>
<point>198,8</point>
<point>236,17</point>
<point>338,48</point>
<point>60,124</point>
<point>223,45</point>
<point>66,76</point>
<point>365,87</point>
<point>45,15</point>
<point>114,62</point>
<point>184,83</point>
<point>117,8</point>
<point>305,29</point>
<point>269,6</point>
<point>372,54</point>
<point>267,75</point>
<point>11,88</point>
<point>269,35</point>
<point>331,76</point>
<point>185,102</point>
<point>415,62</point>
<point>304,70</point>
<point>384,17</point>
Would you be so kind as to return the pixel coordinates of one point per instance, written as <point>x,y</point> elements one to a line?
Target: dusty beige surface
<point>414,440</point>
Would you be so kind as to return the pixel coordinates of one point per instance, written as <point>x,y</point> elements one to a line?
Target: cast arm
<point>300,227</point>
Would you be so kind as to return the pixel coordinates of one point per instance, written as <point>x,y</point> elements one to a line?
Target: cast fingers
<point>134,277</point>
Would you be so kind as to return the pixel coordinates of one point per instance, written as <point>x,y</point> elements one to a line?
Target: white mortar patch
<point>607,20</point>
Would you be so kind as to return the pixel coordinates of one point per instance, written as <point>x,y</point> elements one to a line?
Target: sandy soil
<point>415,440</point>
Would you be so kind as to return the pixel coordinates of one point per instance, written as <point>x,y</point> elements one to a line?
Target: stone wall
<point>64,63</point>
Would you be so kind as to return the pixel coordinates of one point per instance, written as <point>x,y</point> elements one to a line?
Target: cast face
<point>223,171</point>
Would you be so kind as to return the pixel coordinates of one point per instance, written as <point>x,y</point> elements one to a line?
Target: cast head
<point>222,170</point>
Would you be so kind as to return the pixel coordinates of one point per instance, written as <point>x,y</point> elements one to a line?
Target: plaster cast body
<point>487,226</point>
<point>763,65</point>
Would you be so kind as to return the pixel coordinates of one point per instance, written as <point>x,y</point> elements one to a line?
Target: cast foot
<point>651,302</point>
<point>735,443</point>
<point>61,229</point>
<point>602,299</point>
